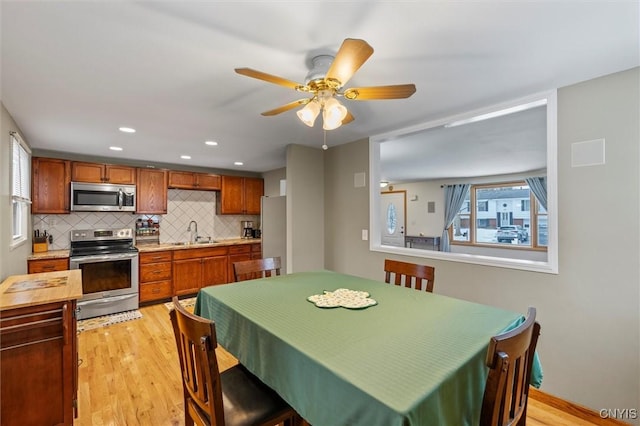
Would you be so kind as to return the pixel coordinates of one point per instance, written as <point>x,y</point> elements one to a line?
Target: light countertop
<point>59,254</point>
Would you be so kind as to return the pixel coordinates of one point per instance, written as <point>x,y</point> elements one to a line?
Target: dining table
<point>347,350</point>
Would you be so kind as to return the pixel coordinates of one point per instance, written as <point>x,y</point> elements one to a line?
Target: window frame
<point>533,220</point>
<point>21,196</point>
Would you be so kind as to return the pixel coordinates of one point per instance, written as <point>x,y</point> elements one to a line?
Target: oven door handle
<point>103,258</point>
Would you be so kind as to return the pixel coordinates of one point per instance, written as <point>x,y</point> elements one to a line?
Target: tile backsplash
<point>183,206</point>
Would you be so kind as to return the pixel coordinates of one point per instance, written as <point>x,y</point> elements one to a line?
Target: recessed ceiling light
<point>127,130</point>
<point>115,148</point>
<point>211,143</point>
<point>238,163</point>
<point>185,157</point>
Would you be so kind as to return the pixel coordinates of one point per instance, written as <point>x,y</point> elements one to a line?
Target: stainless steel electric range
<point>109,263</point>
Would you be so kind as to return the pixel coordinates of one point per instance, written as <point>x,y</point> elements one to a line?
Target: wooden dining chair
<point>510,360</point>
<point>406,273</point>
<point>234,397</point>
<point>256,268</point>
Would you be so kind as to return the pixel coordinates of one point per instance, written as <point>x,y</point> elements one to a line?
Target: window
<point>20,189</point>
<point>502,217</point>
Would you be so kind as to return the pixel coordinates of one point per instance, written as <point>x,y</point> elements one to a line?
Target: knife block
<point>40,244</point>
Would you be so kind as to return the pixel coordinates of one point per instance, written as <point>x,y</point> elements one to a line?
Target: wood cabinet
<point>39,364</point>
<point>237,254</point>
<point>155,276</point>
<point>199,267</point>
<point>151,191</point>
<point>35,266</point>
<point>256,251</point>
<point>198,181</point>
<point>102,173</point>
<point>50,189</point>
<point>240,195</point>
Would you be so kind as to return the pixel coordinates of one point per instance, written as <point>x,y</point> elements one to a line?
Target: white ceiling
<point>75,71</point>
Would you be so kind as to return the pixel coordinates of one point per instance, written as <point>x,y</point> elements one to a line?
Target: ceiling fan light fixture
<point>332,114</point>
<point>309,113</point>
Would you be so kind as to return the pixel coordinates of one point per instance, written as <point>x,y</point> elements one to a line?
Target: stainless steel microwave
<point>102,197</point>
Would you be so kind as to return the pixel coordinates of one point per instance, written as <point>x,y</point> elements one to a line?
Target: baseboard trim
<point>577,410</point>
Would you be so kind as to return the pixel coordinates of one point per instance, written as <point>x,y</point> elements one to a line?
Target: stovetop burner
<point>91,242</point>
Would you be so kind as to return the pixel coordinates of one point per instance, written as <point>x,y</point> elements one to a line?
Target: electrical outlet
<point>52,221</point>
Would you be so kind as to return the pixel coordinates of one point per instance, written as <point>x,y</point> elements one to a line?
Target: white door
<point>393,218</point>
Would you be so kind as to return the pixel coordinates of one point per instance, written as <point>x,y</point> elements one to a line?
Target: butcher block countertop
<point>20,291</point>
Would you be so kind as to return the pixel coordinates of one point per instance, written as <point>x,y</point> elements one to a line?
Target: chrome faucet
<point>193,237</point>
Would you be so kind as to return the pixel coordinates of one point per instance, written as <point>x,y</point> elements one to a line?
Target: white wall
<point>589,312</point>
<point>12,261</point>
<point>305,208</point>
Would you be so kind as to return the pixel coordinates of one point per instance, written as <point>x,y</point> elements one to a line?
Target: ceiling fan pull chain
<point>324,145</point>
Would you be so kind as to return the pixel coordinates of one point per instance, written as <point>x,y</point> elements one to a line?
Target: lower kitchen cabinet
<point>238,253</point>
<point>256,251</point>
<point>39,364</point>
<point>35,266</point>
<point>197,268</point>
<point>155,276</point>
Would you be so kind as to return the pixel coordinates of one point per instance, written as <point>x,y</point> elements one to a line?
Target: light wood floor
<point>129,376</point>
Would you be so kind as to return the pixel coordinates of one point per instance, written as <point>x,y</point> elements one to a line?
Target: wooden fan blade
<point>399,91</point>
<point>269,77</point>
<point>287,107</point>
<point>348,119</point>
<point>352,54</point>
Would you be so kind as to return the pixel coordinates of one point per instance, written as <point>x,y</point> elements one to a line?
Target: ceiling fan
<point>325,82</point>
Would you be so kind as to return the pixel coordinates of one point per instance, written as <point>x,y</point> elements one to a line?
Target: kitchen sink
<point>187,243</point>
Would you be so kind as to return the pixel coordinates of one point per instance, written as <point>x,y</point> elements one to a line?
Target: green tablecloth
<point>415,358</point>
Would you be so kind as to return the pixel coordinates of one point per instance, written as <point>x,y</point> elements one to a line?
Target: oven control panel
<point>101,234</point>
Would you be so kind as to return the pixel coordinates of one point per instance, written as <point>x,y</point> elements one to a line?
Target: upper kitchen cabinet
<point>102,173</point>
<point>240,195</point>
<point>50,190</point>
<point>151,191</point>
<point>198,181</point>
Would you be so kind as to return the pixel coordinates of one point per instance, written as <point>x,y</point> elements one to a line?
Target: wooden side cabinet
<point>197,181</point>
<point>35,266</point>
<point>155,276</point>
<point>50,189</point>
<point>240,195</point>
<point>151,191</point>
<point>102,173</point>
<point>39,364</point>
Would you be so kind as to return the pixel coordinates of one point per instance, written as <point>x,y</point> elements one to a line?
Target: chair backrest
<point>256,268</point>
<point>410,272</point>
<point>510,359</point>
<point>196,341</point>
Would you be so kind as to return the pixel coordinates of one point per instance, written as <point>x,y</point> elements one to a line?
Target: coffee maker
<point>247,229</point>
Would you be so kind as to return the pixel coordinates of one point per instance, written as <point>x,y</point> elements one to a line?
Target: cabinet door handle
<point>65,323</point>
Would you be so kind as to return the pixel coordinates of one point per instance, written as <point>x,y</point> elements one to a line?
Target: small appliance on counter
<point>247,229</point>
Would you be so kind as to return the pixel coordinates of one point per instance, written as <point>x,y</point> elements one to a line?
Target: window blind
<point>21,173</point>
